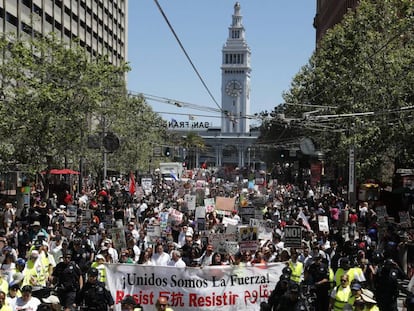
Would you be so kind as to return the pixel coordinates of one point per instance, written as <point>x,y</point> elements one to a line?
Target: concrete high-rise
<point>99,25</point>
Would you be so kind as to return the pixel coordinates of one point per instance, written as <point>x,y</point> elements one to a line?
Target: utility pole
<point>351,179</point>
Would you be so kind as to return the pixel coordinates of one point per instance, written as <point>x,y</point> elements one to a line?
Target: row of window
<point>12,20</point>
<point>234,59</point>
<point>234,71</point>
<point>235,34</point>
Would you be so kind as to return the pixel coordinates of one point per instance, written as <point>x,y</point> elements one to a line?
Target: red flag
<point>131,183</point>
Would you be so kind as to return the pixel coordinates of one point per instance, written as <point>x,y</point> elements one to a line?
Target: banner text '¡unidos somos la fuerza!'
<point>151,280</point>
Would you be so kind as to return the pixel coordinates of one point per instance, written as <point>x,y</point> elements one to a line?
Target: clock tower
<point>235,79</point>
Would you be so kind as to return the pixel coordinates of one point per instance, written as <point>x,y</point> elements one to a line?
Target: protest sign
<point>323,223</point>
<point>293,236</point>
<point>210,204</point>
<point>190,201</point>
<point>225,204</point>
<point>118,238</point>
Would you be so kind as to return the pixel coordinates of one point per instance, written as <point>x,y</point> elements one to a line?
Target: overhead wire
<point>187,55</point>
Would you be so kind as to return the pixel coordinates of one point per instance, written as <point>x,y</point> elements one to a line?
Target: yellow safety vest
<point>341,297</point>
<point>34,274</point>
<point>331,277</point>
<point>101,270</point>
<point>297,270</point>
<point>4,286</point>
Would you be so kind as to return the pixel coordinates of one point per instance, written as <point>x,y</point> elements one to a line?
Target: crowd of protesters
<point>356,265</point>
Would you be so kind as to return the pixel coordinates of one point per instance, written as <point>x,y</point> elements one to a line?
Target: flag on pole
<point>131,183</point>
<point>305,221</point>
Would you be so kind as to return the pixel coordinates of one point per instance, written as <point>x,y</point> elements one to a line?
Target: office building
<point>100,26</point>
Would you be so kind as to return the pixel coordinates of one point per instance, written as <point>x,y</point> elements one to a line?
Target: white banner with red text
<point>208,288</point>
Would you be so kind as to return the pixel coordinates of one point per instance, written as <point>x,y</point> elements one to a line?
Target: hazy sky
<point>280,35</point>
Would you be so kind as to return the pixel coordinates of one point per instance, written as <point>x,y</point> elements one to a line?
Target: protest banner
<point>223,288</point>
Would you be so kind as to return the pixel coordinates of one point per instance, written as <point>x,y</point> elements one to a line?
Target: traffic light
<point>167,151</point>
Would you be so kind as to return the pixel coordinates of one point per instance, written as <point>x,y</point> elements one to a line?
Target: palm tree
<point>193,143</point>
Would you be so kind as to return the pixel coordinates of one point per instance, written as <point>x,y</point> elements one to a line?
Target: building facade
<point>100,26</point>
<point>329,13</point>
<point>235,78</point>
<point>231,145</point>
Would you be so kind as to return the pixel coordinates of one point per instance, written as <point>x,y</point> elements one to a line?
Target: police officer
<point>317,275</point>
<point>67,276</point>
<point>281,288</point>
<point>94,295</point>
<point>387,285</point>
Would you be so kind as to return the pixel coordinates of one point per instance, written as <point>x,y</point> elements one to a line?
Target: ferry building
<point>230,145</point>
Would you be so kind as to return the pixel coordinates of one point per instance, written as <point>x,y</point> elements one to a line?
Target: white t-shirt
<point>30,305</point>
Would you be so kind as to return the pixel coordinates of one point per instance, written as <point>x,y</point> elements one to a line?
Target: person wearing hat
<point>94,294</point>
<point>356,291</point>
<point>67,276</point>
<point>162,304</point>
<point>370,303</point>
<point>99,265</point>
<point>50,303</point>
<point>129,304</point>
<point>280,289</point>
<point>317,275</point>
<point>27,301</point>
<point>344,266</point>
<point>34,270</point>
<point>290,299</point>
<point>35,230</point>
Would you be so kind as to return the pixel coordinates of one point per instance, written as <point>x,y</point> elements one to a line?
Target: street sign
<point>157,151</point>
<point>293,236</point>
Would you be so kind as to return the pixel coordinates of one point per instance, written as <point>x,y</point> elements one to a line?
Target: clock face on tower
<point>234,88</point>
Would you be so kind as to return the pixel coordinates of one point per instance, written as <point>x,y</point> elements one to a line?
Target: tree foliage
<point>54,96</point>
<point>362,72</point>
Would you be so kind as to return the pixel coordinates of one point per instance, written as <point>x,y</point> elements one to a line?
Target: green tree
<point>139,129</point>
<point>193,143</point>
<point>362,65</point>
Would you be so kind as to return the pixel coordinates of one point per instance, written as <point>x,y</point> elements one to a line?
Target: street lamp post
<point>248,157</point>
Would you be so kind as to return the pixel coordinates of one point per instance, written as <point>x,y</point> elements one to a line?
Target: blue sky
<point>280,35</point>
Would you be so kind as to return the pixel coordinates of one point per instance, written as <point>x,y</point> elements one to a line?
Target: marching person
<point>27,301</point>
<point>68,278</point>
<point>162,304</point>
<point>94,295</point>
<point>340,294</point>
